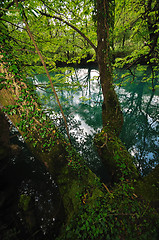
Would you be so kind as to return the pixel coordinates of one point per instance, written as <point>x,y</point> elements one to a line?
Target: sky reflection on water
<point>82,102</point>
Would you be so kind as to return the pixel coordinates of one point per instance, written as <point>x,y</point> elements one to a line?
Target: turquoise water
<point>82,106</point>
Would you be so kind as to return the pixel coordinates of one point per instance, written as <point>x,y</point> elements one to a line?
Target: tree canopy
<point>66,31</point>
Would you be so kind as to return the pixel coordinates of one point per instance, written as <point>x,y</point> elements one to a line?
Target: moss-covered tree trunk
<point>107,142</point>
<point>111,112</point>
<point>109,146</point>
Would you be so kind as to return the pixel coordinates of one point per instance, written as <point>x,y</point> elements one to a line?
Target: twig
<point>106,188</point>
<point>4,9</point>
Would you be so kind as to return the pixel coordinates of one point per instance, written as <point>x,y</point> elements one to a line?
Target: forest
<point>64,64</point>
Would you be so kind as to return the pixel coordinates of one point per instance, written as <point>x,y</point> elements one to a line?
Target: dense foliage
<point>66,32</point>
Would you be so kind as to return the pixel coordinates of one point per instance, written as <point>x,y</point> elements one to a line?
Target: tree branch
<point>72,26</point>
<point>15,25</point>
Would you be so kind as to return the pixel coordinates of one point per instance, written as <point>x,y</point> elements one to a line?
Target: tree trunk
<point>111,112</point>
<point>47,144</point>
<point>110,148</point>
<point>152,24</point>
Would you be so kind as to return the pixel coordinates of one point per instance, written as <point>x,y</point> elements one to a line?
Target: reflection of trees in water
<point>140,130</point>
<point>83,142</point>
<point>91,115</point>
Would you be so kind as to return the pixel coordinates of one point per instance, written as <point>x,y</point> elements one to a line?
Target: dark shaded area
<point>29,198</point>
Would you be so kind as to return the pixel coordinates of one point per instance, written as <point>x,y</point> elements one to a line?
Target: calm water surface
<point>82,106</point>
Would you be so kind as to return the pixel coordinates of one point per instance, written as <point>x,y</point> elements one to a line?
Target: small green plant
<point>119,215</point>
<point>24,201</point>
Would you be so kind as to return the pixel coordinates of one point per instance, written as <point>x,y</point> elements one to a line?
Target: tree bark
<point>109,146</point>
<point>111,111</point>
<point>152,24</point>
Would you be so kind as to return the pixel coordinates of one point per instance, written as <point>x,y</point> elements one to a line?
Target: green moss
<point>148,187</point>
<point>24,202</point>
<point>111,112</point>
<point>76,189</point>
<point>117,215</point>
<point>114,155</point>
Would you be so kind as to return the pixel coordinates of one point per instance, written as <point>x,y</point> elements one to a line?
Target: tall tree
<point>111,111</point>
